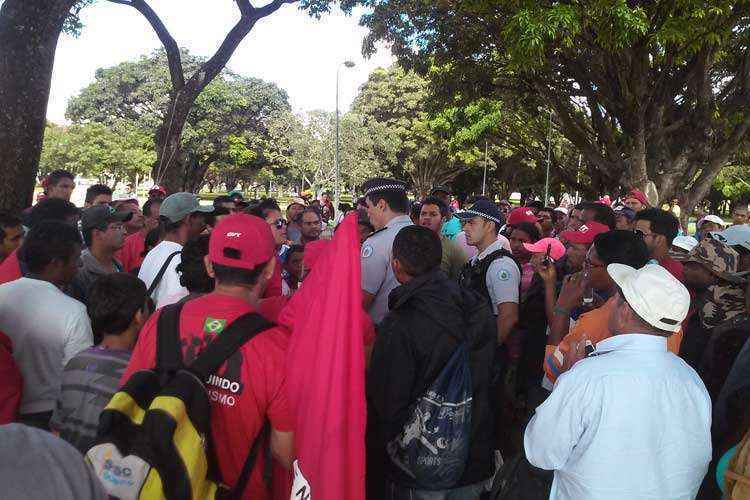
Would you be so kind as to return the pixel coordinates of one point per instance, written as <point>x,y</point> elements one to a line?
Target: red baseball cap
<point>637,195</point>
<point>556,249</point>
<point>585,234</point>
<point>521,214</point>
<point>158,189</point>
<point>248,237</point>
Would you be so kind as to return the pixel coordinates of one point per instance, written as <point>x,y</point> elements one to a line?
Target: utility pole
<point>337,192</point>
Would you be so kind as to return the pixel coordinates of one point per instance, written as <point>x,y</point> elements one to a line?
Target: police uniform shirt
<point>503,277</point>
<point>377,276</point>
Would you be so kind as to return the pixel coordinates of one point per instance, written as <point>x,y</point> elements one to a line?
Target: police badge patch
<point>366,251</point>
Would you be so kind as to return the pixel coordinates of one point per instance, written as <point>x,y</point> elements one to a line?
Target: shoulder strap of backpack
<point>247,467</point>
<point>160,274</point>
<point>242,330</point>
<point>168,350</point>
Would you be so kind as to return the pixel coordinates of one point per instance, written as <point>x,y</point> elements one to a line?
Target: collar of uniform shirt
<point>493,247</point>
<point>632,342</point>
<point>397,221</point>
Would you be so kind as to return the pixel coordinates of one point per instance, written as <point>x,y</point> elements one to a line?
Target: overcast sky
<point>298,53</point>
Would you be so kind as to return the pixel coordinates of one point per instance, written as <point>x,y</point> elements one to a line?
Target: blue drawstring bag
<point>433,447</point>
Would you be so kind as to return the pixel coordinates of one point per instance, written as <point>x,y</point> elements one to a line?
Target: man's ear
<point>382,205</point>
<point>209,267</point>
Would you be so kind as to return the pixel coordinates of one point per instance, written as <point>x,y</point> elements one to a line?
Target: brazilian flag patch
<point>214,326</point>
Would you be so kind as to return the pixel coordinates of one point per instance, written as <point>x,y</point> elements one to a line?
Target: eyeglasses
<point>640,233</point>
<point>279,223</point>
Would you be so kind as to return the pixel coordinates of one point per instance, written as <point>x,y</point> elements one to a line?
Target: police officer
<point>387,209</point>
<point>493,273</point>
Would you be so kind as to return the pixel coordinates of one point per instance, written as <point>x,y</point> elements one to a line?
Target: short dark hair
<point>415,210</point>
<point>51,209</point>
<point>222,199</point>
<point>167,226</point>
<point>114,299</point>
<point>262,208</point>
<point>227,275</point>
<point>308,210</point>
<point>295,249</point>
<point>49,241</point>
<point>149,204</point>
<point>434,200</point>
<point>603,214</point>
<point>549,210</point>
<point>622,247</point>
<point>152,239</point>
<point>530,229</point>
<point>662,222</point>
<point>8,221</point>
<point>54,177</point>
<point>395,199</point>
<point>96,190</point>
<point>192,268</point>
<point>418,250</point>
<point>538,205</point>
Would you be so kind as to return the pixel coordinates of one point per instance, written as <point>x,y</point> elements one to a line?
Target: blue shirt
<point>452,228</point>
<point>630,422</point>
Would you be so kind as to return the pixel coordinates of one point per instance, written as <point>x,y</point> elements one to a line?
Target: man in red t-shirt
<point>131,256</point>
<point>659,228</point>
<point>249,388</point>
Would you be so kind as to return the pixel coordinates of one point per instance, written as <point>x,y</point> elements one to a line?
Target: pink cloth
<point>325,372</point>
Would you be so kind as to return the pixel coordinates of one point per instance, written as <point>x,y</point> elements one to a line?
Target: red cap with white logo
<point>242,241</point>
<point>585,234</point>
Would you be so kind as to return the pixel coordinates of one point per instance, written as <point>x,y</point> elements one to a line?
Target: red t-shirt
<point>10,269</point>
<point>674,268</point>
<point>274,284</point>
<point>130,253</point>
<point>12,382</point>
<point>249,387</point>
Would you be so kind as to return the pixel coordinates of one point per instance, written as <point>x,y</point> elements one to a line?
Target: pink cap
<point>556,249</point>
<point>637,195</point>
<point>585,234</point>
<point>521,214</point>
<point>241,240</point>
<point>313,252</point>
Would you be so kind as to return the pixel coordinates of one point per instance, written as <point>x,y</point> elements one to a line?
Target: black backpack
<point>517,479</point>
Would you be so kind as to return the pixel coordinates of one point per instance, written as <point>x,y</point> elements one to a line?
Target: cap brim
<point>465,215</point>
<point>121,216</point>
<point>576,237</point>
<point>206,209</point>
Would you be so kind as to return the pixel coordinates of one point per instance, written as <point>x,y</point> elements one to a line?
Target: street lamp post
<point>549,153</point>
<point>337,192</point>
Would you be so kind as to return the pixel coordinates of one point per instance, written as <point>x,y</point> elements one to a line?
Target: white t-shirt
<point>47,328</point>
<point>169,286</point>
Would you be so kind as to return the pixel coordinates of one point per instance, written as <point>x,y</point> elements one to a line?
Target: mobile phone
<point>546,255</point>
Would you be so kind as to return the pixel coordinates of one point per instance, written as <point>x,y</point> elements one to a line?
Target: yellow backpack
<point>153,437</point>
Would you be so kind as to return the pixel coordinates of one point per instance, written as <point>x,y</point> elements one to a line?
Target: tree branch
<point>174,58</point>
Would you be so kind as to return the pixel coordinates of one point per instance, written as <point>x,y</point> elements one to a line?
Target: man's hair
<point>577,206</point>
<point>54,177</point>
<point>661,221</point>
<point>167,226</point>
<point>48,241</point>
<point>222,199</point>
<point>51,209</point>
<point>415,210</point>
<point>227,275</point>
<point>418,250</point>
<point>192,268</point>
<point>7,221</point>
<point>308,210</point>
<point>294,249</point>
<point>530,229</point>
<point>622,247</point>
<point>114,299</point>
<point>473,199</point>
<point>535,204</point>
<point>434,200</point>
<point>96,190</point>
<point>149,204</point>
<point>549,210</point>
<point>602,213</point>
<point>152,239</point>
<point>263,208</point>
<point>395,199</point>
<point>88,233</point>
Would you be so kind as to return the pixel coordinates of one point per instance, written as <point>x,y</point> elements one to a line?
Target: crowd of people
<point>589,351</point>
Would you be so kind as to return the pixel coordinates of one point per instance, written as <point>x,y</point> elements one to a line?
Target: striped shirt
<point>89,380</point>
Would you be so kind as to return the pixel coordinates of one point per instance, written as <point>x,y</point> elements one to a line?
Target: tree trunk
<point>29,30</point>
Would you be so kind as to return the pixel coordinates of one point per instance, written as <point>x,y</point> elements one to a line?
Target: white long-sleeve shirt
<point>630,423</point>
<point>46,328</point>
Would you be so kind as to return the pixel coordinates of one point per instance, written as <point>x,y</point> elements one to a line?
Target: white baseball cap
<point>685,242</point>
<point>562,209</point>
<point>711,218</point>
<point>653,293</point>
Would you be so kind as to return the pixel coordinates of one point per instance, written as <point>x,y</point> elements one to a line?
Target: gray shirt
<point>89,270</point>
<point>377,276</point>
<point>503,277</point>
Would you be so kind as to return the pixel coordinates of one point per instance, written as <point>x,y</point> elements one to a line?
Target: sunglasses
<point>279,223</point>
<point>639,233</point>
